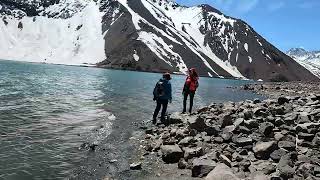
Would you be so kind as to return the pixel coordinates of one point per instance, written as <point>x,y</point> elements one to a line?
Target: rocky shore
<point>275,138</point>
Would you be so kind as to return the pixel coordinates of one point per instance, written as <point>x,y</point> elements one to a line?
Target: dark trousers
<point>185,97</point>
<point>164,104</point>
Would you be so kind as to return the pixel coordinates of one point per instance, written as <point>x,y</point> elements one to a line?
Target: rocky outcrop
<point>246,145</point>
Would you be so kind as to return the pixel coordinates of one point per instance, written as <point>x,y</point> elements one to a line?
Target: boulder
<point>197,123</point>
<point>287,145</point>
<point>242,141</point>
<point>286,164</point>
<point>176,118</point>
<point>221,172</point>
<point>260,111</point>
<point>248,115</point>
<point>171,153</point>
<point>190,153</point>
<point>316,140</point>
<point>282,100</point>
<point>306,136</point>
<point>277,154</point>
<point>226,121</point>
<point>262,150</point>
<point>305,126</point>
<point>251,124</point>
<point>212,130</point>
<point>186,141</point>
<point>266,129</point>
<point>262,166</point>
<point>202,167</point>
<point>226,136</point>
<point>182,164</point>
<point>238,122</point>
<point>259,176</point>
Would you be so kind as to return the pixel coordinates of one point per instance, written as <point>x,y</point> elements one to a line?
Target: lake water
<point>48,111</point>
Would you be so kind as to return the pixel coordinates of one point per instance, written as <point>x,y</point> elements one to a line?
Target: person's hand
<point>154,99</point>
<point>170,100</point>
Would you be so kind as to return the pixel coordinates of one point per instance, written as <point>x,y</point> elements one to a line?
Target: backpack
<point>159,90</point>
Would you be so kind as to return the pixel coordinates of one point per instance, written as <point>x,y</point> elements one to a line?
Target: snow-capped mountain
<point>309,59</point>
<point>145,35</point>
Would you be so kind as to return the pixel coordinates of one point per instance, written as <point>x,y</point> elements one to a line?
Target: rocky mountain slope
<point>145,35</point>
<point>309,59</point>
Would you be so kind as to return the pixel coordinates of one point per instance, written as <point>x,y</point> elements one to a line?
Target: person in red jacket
<point>189,89</point>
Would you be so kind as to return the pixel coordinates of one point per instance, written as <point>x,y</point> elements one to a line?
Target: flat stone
<point>290,146</point>
<point>242,141</point>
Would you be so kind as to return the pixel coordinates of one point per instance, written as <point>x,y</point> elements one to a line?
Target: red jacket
<point>191,84</point>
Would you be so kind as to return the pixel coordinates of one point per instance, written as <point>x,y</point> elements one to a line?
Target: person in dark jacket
<point>162,94</point>
<point>189,89</point>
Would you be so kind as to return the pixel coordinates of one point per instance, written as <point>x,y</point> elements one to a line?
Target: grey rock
<point>316,140</point>
<point>306,136</point>
<point>260,111</point>
<point>266,129</point>
<point>202,167</point>
<point>186,141</point>
<point>282,100</point>
<point>176,118</point>
<point>251,124</point>
<point>262,150</point>
<point>136,166</point>
<point>171,153</point>
<point>262,166</point>
<point>221,172</point>
<point>226,121</point>
<point>244,130</point>
<point>212,130</point>
<point>182,164</point>
<point>238,122</point>
<point>242,141</point>
<point>190,153</point>
<point>197,123</point>
<point>277,154</point>
<point>286,164</point>
<point>248,115</point>
<point>226,136</point>
<point>290,146</point>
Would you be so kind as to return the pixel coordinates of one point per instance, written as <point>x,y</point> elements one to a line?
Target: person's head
<point>166,76</point>
<point>193,72</point>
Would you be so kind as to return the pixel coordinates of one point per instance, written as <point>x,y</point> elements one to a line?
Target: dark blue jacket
<point>167,90</point>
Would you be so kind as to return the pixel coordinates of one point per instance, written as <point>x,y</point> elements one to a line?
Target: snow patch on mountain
<point>76,40</point>
<point>308,59</point>
<point>186,26</point>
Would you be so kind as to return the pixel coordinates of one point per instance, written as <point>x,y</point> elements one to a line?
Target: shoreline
<point>247,139</point>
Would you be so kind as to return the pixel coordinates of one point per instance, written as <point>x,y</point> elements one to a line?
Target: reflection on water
<point>47,111</point>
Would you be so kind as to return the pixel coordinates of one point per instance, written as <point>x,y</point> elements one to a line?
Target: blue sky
<point>284,23</point>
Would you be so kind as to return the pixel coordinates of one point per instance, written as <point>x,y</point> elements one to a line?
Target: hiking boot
<point>154,121</point>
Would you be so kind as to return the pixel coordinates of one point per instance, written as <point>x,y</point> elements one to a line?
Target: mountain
<point>143,35</point>
<point>309,59</point>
